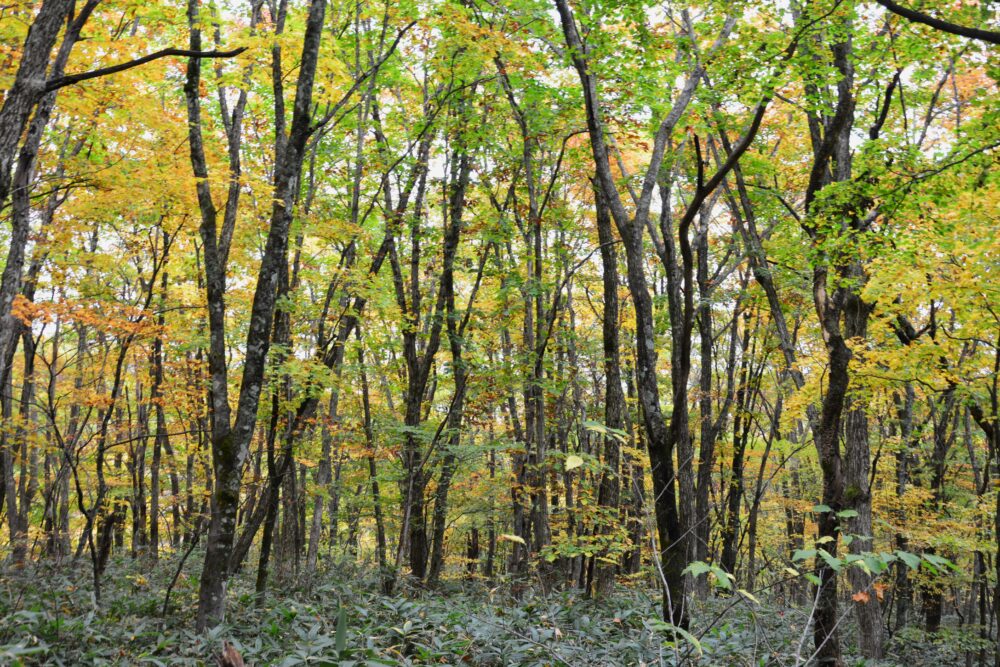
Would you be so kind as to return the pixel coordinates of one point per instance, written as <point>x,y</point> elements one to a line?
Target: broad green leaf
<point>687,636</point>
<point>835,563</point>
<point>697,568</point>
<point>912,560</point>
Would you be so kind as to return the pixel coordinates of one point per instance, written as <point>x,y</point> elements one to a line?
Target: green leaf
<point>802,554</point>
<point>858,561</point>
<point>723,579</point>
<point>912,560</point>
<point>875,564</point>
<point>831,560</point>
<point>608,431</point>
<point>690,638</point>
<point>822,508</point>
<point>934,561</point>
<point>573,462</point>
<point>697,568</point>
<point>687,636</point>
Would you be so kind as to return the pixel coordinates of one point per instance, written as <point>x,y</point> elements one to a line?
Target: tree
<point>231,437</point>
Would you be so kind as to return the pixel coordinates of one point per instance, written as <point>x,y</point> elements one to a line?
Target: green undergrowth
<point>48,616</point>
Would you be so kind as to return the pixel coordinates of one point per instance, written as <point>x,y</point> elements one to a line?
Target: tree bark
<point>858,494</point>
<point>741,435</point>
<point>614,396</point>
<point>26,91</point>
<point>456,331</point>
<point>231,439</point>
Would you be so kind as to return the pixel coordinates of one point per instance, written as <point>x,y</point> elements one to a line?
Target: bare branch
<point>70,79</point>
<point>962,31</point>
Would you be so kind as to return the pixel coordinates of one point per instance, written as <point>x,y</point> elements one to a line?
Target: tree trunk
<point>903,592</point>
<point>614,396</point>
<point>27,89</point>
<point>827,434</point>
<point>270,501</point>
<point>635,509</point>
<point>455,328</point>
<point>858,497</point>
<point>230,440</point>
<point>324,473</point>
<point>741,435</point>
<point>161,436</point>
<point>385,576</point>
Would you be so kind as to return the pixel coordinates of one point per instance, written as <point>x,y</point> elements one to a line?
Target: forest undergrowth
<point>461,622</point>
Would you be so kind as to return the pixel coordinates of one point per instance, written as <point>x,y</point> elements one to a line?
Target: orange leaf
<point>861,597</point>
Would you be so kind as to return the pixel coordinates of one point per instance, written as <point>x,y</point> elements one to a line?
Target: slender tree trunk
<point>323,477</point>
<point>491,539</point>
<point>858,496</point>
<point>455,328</point>
<point>741,435</point>
<point>160,437</point>
<point>903,592</point>
<point>760,488</point>
<point>826,617</point>
<point>830,135</point>
<point>636,507</point>
<point>140,507</point>
<point>380,544</point>
<point>614,396</point>
<point>270,502</point>
<point>942,414</point>
<point>18,537</point>
<point>231,440</point>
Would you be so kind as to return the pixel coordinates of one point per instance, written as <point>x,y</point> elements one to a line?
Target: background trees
<point>703,296</point>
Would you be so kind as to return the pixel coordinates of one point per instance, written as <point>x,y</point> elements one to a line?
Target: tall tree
<point>231,437</point>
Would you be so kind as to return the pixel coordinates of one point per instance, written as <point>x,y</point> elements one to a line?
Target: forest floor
<point>47,616</point>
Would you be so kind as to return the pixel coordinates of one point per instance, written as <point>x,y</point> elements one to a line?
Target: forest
<point>500,332</point>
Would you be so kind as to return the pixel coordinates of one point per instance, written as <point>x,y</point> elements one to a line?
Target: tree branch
<point>953,28</point>
<point>70,79</point>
